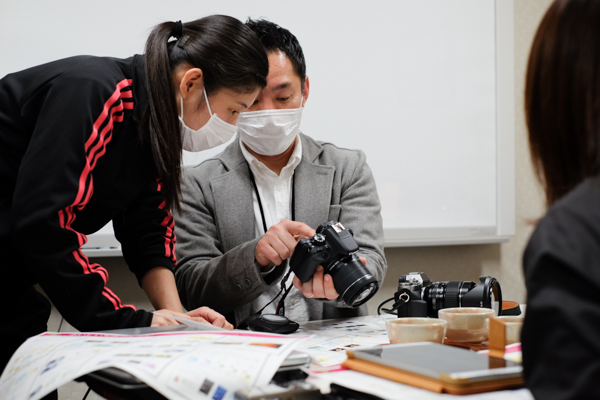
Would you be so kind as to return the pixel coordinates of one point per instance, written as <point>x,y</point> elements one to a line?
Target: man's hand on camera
<point>320,286</point>
<point>280,241</point>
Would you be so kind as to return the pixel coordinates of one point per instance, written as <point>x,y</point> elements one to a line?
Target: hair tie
<point>176,33</point>
<point>177,30</point>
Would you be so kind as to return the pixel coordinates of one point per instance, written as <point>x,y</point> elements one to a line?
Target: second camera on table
<point>417,296</point>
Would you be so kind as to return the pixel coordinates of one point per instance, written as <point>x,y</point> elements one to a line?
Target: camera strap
<point>398,305</point>
<point>260,207</point>
<point>280,309</point>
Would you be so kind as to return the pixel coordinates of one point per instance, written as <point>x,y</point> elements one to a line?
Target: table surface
<point>327,344</point>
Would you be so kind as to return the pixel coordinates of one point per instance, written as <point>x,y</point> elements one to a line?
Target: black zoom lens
<point>445,295</point>
<point>352,280</point>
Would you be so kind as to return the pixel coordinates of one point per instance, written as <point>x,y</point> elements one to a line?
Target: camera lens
<point>445,295</point>
<point>367,292</point>
<point>352,280</point>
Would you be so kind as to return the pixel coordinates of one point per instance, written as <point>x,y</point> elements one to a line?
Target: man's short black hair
<point>273,37</point>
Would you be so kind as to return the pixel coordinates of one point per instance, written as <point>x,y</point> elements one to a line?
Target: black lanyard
<point>262,213</point>
<point>280,309</point>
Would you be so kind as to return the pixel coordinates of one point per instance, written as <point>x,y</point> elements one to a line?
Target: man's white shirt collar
<point>260,169</point>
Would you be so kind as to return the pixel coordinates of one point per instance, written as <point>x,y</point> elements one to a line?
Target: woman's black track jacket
<point>72,160</point>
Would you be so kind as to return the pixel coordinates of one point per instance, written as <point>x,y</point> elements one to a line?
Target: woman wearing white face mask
<point>87,140</point>
<point>213,133</point>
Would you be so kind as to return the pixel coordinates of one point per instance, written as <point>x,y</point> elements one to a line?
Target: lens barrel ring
<point>452,294</point>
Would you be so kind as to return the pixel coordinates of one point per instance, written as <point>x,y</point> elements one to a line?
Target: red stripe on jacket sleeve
<point>169,224</point>
<point>95,147</point>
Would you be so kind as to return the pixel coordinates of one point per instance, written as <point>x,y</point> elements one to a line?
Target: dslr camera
<point>417,296</point>
<point>334,248</point>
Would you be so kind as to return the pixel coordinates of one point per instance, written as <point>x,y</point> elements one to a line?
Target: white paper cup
<point>406,330</point>
<point>466,324</point>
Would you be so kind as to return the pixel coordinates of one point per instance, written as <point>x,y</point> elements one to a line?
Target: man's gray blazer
<point>216,226</point>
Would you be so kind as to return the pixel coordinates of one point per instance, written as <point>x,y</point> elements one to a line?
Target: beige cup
<point>466,324</point>
<point>406,330</point>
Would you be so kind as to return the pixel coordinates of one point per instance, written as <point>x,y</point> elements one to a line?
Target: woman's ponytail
<point>161,123</point>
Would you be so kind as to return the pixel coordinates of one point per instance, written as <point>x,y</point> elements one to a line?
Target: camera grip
<point>307,258</point>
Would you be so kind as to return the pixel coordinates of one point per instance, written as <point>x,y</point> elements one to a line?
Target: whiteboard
<point>425,88</point>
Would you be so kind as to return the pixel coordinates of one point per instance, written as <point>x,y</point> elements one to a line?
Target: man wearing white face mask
<point>244,211</point>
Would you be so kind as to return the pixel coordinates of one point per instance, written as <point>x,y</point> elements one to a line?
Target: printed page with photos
<point>179,365</point>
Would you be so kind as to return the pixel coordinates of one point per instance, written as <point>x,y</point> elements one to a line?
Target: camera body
<point>334,248</point>
<point>424,298</point>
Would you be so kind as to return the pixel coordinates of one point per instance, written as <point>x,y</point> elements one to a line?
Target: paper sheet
<point>179,365</point>
<point>329,339</point>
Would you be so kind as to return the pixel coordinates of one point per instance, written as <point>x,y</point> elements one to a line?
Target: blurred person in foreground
<point>560,338</point>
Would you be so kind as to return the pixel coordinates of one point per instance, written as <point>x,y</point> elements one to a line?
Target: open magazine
<point>179,365</point>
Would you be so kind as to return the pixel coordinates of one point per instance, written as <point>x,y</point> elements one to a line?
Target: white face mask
<point>270,132</point>
<point>213,133</point>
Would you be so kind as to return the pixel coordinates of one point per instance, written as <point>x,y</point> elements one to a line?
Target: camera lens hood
<point>487,294</point>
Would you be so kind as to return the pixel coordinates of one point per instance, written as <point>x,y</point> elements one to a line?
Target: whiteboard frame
<point>105,245</point>
<point>505,156</point>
